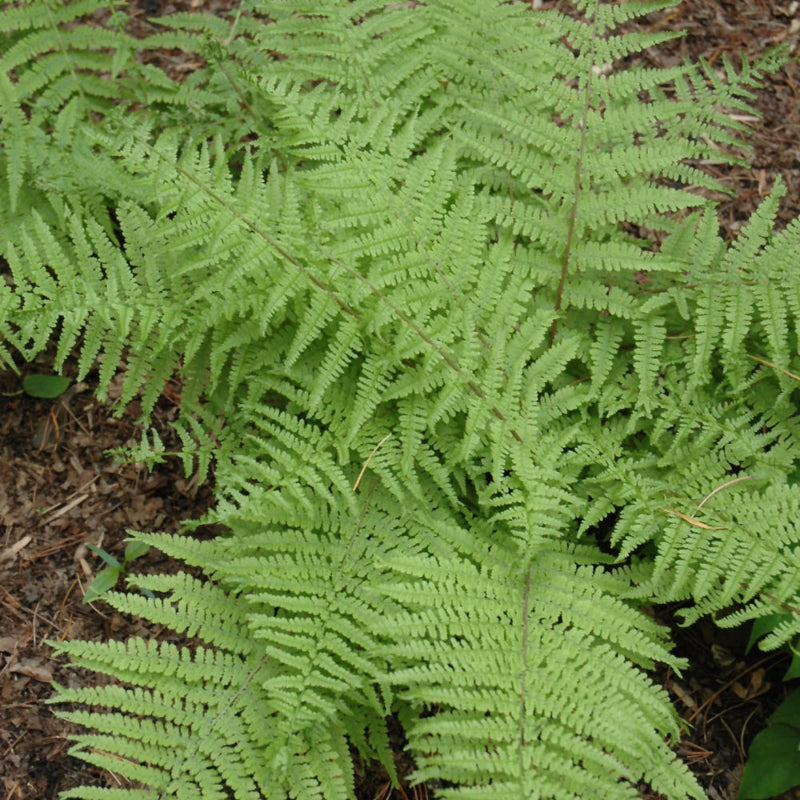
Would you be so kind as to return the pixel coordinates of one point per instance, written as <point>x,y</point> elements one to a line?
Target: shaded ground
<point>59,491</point>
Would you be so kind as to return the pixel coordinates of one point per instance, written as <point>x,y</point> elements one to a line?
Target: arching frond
<point>475,371</point>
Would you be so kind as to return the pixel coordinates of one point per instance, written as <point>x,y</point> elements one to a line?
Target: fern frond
<point>197,723</point>
<point>496,732</point>
<point>724,557</point>
<point>396,256</point>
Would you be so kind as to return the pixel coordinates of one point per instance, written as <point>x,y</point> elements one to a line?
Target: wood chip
<point>11,552</point>
<point>33,668</point>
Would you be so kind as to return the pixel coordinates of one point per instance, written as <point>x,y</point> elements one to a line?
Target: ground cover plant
<point>479,379</point>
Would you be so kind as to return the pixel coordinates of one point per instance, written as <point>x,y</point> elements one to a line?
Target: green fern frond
<point>494,733</point>
<point>722,558</point>
<point>396,256</point>
<point>198,723</point>
<point>200,720</point>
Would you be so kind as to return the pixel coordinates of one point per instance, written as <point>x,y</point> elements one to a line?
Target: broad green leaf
<point>134,549</point>
<point>46,386</point>
<point>774,763</point>
<point>106,579</point>
<point>788,712</point>
<point>107,557</point>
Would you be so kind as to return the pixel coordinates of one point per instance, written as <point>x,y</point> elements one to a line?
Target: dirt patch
<point>59,492</point>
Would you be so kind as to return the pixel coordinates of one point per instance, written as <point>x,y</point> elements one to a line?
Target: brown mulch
<point>60,491</point>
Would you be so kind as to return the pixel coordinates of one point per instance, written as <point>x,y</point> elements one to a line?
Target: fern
<point>391,251</point>
<point>199,719</point>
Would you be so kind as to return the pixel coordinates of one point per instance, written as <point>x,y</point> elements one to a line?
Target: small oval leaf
<point>106,579</point>
<point>135,549</point>
<point>47,386</point>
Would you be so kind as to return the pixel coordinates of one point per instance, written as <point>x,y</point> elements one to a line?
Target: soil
<point>60,490</point>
